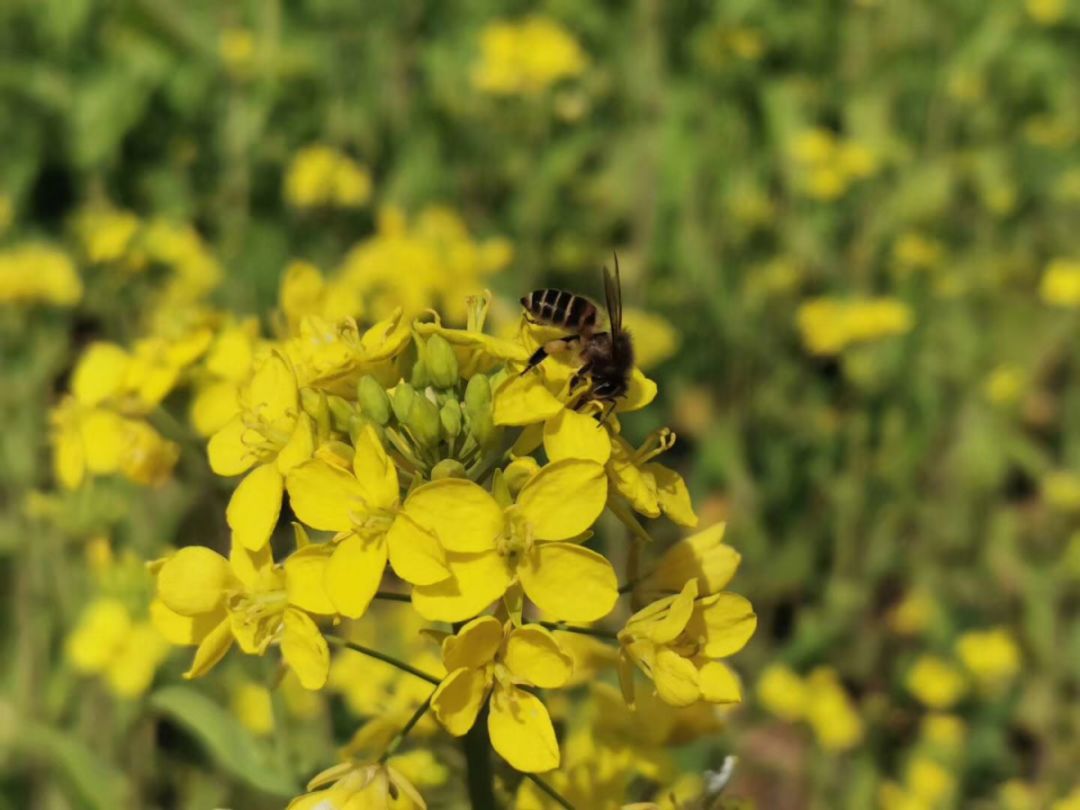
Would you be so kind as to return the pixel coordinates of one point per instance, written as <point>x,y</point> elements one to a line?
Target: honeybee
<point>607,358</point>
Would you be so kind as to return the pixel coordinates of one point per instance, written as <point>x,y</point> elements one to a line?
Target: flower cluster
<point>830,325</point>
<point>38,272</point>
<point>526,57</point>
<point>427,472</point>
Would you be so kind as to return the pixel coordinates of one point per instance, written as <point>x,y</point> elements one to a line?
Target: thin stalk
<point>583,631</point>
<point>399,738</point>
<point>393,597</point>
<point>479,777</point>
<point>550,791</point>
<point>389,659</point>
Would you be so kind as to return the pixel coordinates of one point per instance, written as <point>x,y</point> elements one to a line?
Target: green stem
<point>389,659</point>
<point>549,790</point>
<point>393,597</point>
<point>479,777</point>
<point>583,631</point>
<point>399,738</point>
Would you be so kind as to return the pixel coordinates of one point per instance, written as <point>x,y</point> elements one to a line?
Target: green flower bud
<point>341,412</point>
<point>448,468</point>
<point>373,400</point>
<point>442,363</point>
<point>450,417</point>
<point>315,405</point>
<point>420,377</point>
<point>477,394</point>
<point>404,397</point>
<point>423,421</point>
<point>357,424</point>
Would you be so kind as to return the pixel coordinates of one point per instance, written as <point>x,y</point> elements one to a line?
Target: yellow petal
<point>194,580</point>
<point>727,621</point>
<point>323,496</point>
<point>521,731</point>
<point>636,485</point>
<point>476,580</point>
<point>228,453</point>
<point>534,655</point>
<point>304,649</point>
<point>523,399</point>
<point>374,470</point>
<point>463,515</point>
<point>569,582</point>
<point>642,391</point>
<point>570,434</point>
<point>676,679</point>
<point>255,506</point>
<point>415,554</point>
<point>673,621</point>
<point>704,556</point>
<point>719,684</point>
<point>458,699</point>
<point>673,496</point>
<point>180,629</point>
<point>272,393</point>
<point>250,565</point>
<point>213,406</point>
<point>100,373</point>
<point>354,573</point>
<point>564,499</point>
<point>474,645</point>
<point>211,650</point>
<point>300,446</point>
<point>305,579</point>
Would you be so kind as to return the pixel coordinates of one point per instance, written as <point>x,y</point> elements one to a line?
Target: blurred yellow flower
<point>991,656</point>
<point>913,614</point>
<point>109,642</point>
<point>34,272</point>
<point>252,705</point>
<point>1046,12</point>
<point>930,780</point>
<point>320,175</point>
<point>1069,802</point>
<point>526,57</point>
<point>106,233</point>
<point>945,732</point>
<point>355,786</point>
<point>1060,284</point>
<point>655,338</point>
<point>935,683</point>
<point>826,165</point>
<point>783,693</point>
<point>914,251</point>
<point>1061,490</point>
<point>236,47</point>
<point>830,711</point>
<point>1018,795</point>
<point>1004,385</point>
<point>830,325</point>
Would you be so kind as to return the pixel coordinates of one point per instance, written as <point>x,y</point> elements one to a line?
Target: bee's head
<point>609,388</point>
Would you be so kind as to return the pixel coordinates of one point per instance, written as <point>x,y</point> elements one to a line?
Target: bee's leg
<point>556,346</point>
<point>609,409</point>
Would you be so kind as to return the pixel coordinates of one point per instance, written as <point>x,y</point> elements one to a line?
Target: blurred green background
<point>856,221</point>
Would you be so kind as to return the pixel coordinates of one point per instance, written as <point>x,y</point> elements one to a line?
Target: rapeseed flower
<point>487,659</point>
<point>1060,285</point>
<point>320,175</point>
<point>830,325</point>
<point>109,641</point>
<point>936,683</point>
<point>35,272</point>
<point>991,656</point>
<point>526,57</point>
<point>356,786</point>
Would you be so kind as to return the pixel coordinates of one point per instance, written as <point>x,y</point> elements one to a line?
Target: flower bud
<point>361,420</point>
<point>477,394</point>
<point>315,405</point>
<point>442,363</point>
<point>373,400</point>
<point>420,378</point>
<point>450,417</point>
<point>341,412</point>
<point>423,421</point>
<point>448,468</point>
<point>404,397</point>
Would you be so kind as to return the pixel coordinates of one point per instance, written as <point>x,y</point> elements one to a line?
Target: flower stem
<point>584,631</point>
<point>399,738</point>
<point>389,659</point>
<point>479,776</point>
<point>550,791</point>
<point>390,596</point>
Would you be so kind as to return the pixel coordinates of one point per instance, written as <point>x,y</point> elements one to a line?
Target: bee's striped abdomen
<point>560,308</point>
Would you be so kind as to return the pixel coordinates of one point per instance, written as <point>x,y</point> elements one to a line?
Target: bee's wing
<point>613,294</point>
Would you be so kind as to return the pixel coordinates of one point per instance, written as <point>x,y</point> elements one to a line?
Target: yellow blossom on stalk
<point>830,712</point>
<point>991,656</point>
<point>206,600</point>
<point>108,641</point>
<point>33,272</point>
<point>678,641</point>
<point>227,366</point>
<point>830,325</point>
<point>531,542</point>
<point>783,693</point>
<point>526,57</point>
<point>320,175</point>
<point>1060,285</point>
<point>306,293</point>
<point>935,683</point>
<point>703,556</point>
<point>826,165</point>
<point>488,658</point>
<point>269,437</point>
<point>356,786</point>
<point>1004,384</point>
<point>106,233</point>
<point>929,780</point>
<point>359,499</point>
<point>945,732</point>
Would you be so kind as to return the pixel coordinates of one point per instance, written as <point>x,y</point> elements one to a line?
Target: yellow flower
<point>946,732</point>
<point>356,786</point>
<point>913,615</point>
<point>914,251</point>
<point>34,272</point>
<point>530,542</point>
<point>323,176</point>
<point>678,641</point>
<point>1004,385</point>
<point>991,656</point>
<point>1060,285</point>
<point>1070,802</point>
<point>107,641</point>
<point>1061,490</point>
<point>703,556</point>
<point>253,707</point>
<point>487,658</point>
<point>359,499</point>
<point>1016,794</point>
<point>227,366</point>
<point>236,47</point>
<point>272,435</point>
<point>935,683</point>
<point>783,693</point>
<point>205,600</point>
<point>930,780</point>
<point>830,325</point>
<point>830,712</point>
<point>106,233</point>
<point>526,58</point>
<point>649,487</point>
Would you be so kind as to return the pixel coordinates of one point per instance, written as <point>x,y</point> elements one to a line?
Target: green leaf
<point>94,780</point>
<point>228,743</point>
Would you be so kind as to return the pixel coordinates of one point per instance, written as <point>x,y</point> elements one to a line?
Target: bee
<point>606,357</point>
